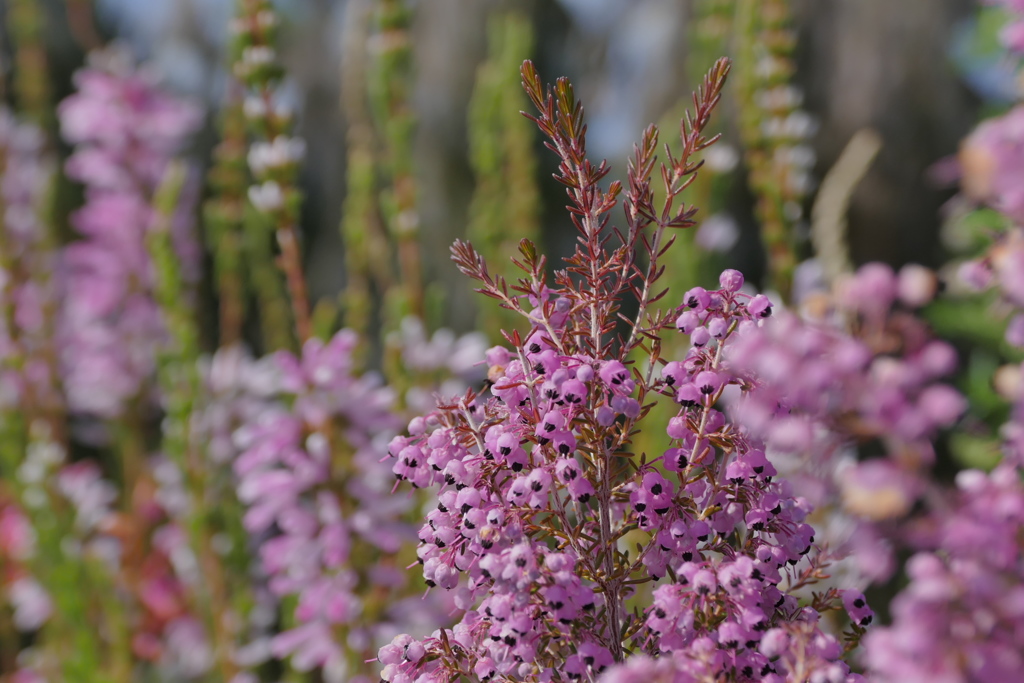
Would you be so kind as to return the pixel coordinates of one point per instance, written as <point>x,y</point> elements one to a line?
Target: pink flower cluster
<point>869,373</point>
<point>25,284</point>
<point>318,497</point>
<point>992,163</point>
<point>31,606</point>
<point>1000,268</point>
<point>146,555</point>
<point>536,489</point>
<point>962,616</point>
<point>821,390</point>
<point>125,133</point>
<point>796,650</point>
<point>142,553</point>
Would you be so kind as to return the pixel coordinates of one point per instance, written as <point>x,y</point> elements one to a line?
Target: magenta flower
<point>125,132</point>
<point>28,290</point>
<point>992,161</point>
<point>547,524</point>
<point>317,497</point>
<point>961,618</point>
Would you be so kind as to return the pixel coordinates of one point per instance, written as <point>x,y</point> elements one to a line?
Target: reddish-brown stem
<point>290,263</point>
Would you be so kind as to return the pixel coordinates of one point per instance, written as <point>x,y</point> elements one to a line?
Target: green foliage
<point>764,42</point>
<point>505,204</point>
<point>26,22</point>
<point>223,215</point>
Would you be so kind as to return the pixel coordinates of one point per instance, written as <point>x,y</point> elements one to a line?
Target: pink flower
<point>125,131</point>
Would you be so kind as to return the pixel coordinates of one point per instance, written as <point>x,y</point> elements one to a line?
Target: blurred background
<point>841,124</point>
<point>894,67</point>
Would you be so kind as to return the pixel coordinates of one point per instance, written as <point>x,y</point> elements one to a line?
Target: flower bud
<point>731,280</point>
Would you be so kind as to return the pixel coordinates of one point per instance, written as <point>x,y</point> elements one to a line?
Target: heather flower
<point>443,362</point>
<point>92,496</point>
<point>962,615</point>
<point>819,391</point>
<point>187,653</point>
<point>535,491</point>
<point>991,161</point>
<point>896,398</point>
<point>27,288</point>
<point>31,604</point>
<point>877,489</point>
<point>871,291</point>
<point>141,553</point>
<point>1000,268</point>
<point>916,285</point>
<point>720,232</point>
<point>125,132</point>
<point>17,537</point>
<point>308,456</point>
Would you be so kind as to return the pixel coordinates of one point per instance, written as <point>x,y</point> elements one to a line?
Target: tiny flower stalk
<point>31,416</point>
<point>357,229</point>
<point>316,491</point>
<point>223,219</point>
<point>9,637</point>
<point>364,243</point>
<point>32,88</point>
<point>33,93</point>
<point>13,277</point>
<point>82,24</point>
<point>265,280</point>
<point>712,20</point>
<point>182,390</point>
<point>33,144</point>
<point>694,258</point>
<point>773,130</point>
<point>390,89</point>
<point>369,267</point>
<point>274,155</point>
<point>27,293</point>
<point>505,205</point>
<point>380,223</point>
<point>109,321</point>
<point>71,578</point>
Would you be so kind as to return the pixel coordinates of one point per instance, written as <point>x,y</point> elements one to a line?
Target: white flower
<point>266,197</point>
<point>254,107</point>
<point>282,151</point>
<point>258,55</point>
<point>32,605</point>
<point>721,158</point>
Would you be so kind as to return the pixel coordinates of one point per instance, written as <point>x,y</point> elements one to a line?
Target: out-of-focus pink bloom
<point>82,483</point>
<point>877,490</point>
<point>17,538</point>
<point>871,290</point>
<point>125,132</point>
<point>961,618</point>
<point>917,285</point>
<point>304,417</point>
<point>31,289</point>
<point>187,652</point>
<point>27,676</point>
<point>992,163</point>
<point>32,605</point>
<point>310,645</point>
